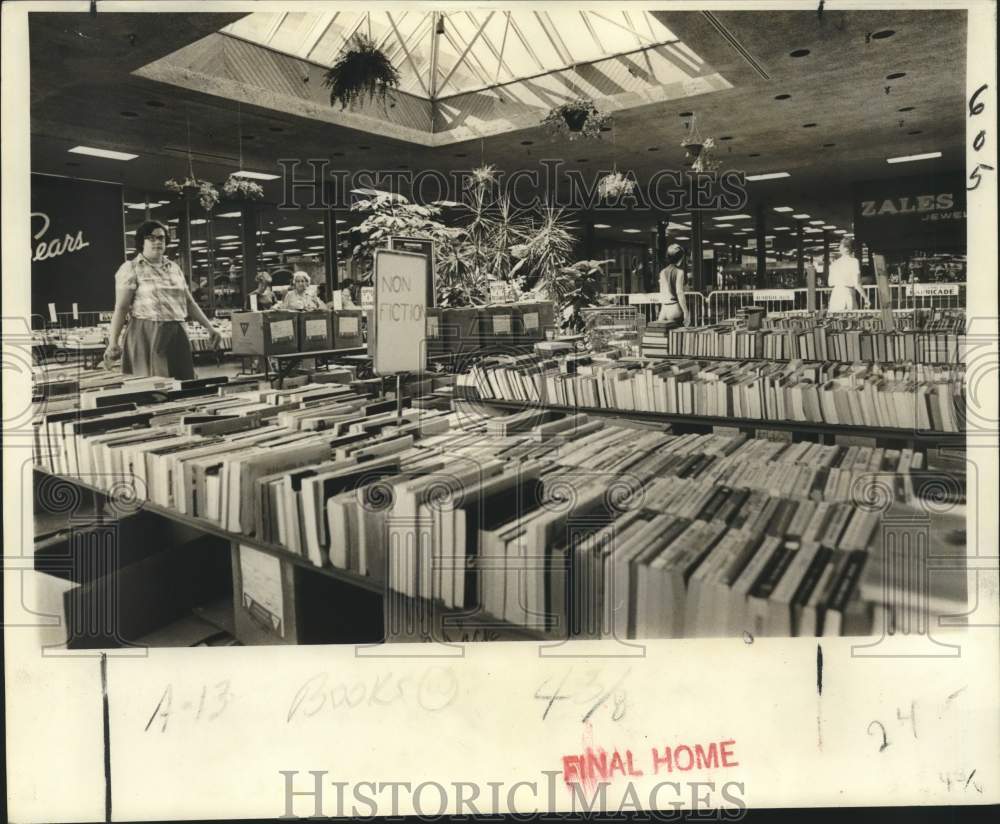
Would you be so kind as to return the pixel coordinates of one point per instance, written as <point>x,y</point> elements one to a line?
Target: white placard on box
<point>348,326</point>
<point>261,575</point>
<point>434,329</point>
<point>282,330</point>
<point>316,328</point>
<point>501,324</point>
<point>530,320</point>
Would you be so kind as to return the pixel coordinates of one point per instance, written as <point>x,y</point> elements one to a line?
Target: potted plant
<point>615,185</point>
<point>208,195</point>
<point>362,72</point>
<point>577,118</point>
<point>237,187</point>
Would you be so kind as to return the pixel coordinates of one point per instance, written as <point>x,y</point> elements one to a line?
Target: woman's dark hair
<point>146,229</point>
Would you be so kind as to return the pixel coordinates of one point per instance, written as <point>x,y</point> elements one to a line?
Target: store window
<point>292,240</point>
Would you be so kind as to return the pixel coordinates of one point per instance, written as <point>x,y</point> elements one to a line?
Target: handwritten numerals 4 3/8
<point>207,705</point>
<point>586,691</point>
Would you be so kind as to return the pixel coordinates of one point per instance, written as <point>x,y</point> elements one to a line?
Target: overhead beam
<point>468,48</point>
<point>623,28</point>
<point>632,26</point>
<point>274,28</point>
<point>406,51</point>
<point>526,44</point>
<point>590,28</point>
<point>318,32</point>
<point>557,43</point>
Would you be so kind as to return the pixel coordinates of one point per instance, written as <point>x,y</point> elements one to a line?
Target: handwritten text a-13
<point>46,250</point>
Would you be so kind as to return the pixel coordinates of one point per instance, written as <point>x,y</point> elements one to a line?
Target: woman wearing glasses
<point>151,290</point>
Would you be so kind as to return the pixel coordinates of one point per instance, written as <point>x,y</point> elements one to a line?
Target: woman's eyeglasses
<point>157,237</point>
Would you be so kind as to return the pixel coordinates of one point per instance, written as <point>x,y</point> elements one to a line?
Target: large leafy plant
<point>573,288</point>
<point>362,72</point>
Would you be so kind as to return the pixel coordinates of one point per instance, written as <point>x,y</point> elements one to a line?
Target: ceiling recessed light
<point>631,231</point>
<point>829,226</point>
<point>683,237</point>
<point>782,96</point>
<point>840,232</point>
<point>107,154</point>
<point>527,142</point>
<point>799,53</point>
<point>364,148</point>
<point>314,237</point>
<point>155,104</point>
<point>801,216</point>
<point>129,114</point>
<point>733,217</point>
<point>653,149</point>
<point>295,249</point>
<point>718,243</point>
<point>816,222</point>
<point>808,125</point>
<point>341,222</point>
<point>754,154</point>
<point>583,160</point>
<point>602,226</point>
<point>883,34</point>
<point>906,109</point>
<point>229,214</point>
<point>768,176</point>
<point>686,114</point>
<point>289,228</point>
<point>726,137</point>
<point>723,225</point>
<point>276,128</point>
<point>198,221</point>
<point>782,228</point>
<point>829,145</point>
<point>285,240</point>
<point>227,237</point>
<point>783,209</point>
<point>911,158</point>
<point>895,75</point>
<point>255,175</point>
<point>915,131</point>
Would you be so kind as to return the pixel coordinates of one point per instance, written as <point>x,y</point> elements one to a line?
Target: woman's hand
<point>215,338</point>
<point>112,353</point>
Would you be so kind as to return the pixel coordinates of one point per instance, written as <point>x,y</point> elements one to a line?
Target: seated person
<point>298,299</point>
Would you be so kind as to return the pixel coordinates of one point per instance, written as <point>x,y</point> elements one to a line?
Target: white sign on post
<point>931,289</point>
<point>52,313</point>
<point>400,312</point>
<point>76,311</point>
<point>773,294</point>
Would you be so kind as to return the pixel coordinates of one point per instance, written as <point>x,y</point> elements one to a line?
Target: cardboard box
<point>533,320</point>
<point>496,326</point>
<point>460,329</point>
<point>265,333</point>
<point>347,332</point>
<point>315,330</point>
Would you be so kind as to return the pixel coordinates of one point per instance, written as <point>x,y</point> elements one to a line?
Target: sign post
<point>884,293</point>
<point>420,246</point>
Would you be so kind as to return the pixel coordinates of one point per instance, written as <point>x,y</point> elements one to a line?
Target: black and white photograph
<point>596,337</point>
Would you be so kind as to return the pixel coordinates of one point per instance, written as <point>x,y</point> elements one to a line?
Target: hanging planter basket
<point>361,73</point>
<point>204,190</point>
<point>578,118</point>
<point>239,188</point>
<point>615,185</point>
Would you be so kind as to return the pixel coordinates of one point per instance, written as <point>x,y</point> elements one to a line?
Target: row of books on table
<point>817,342</point>
<point>905,320</point>
<point>560,519</point>
<point>915,397</point>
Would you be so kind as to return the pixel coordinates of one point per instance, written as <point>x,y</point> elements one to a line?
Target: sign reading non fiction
<point>400,311</point>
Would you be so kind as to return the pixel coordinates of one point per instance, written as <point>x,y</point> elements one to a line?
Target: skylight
<point>446,53</point>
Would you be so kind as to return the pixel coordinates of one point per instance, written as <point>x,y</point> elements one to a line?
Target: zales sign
<point>921,204</point>
<point>56,247</point>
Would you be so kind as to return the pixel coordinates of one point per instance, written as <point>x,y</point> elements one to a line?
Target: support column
<point>799,259</point>
<point>330,250</point>
<point>589,241</point>
<point>249,249</point>
<point>826,255</point>
<point>761,231</point>
<point>697,261</point>
<point>661,244</point>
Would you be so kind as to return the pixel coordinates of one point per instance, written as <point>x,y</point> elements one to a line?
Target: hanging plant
<point>577,118</point>
<point>208,195</point>
<point>362,72</point>
<point>706,161</point>
<point>615,185</point>
<point>239,187</point>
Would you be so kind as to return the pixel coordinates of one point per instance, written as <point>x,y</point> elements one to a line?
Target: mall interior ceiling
<point>826,99</point>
